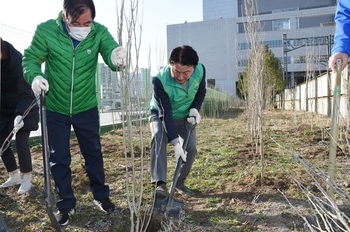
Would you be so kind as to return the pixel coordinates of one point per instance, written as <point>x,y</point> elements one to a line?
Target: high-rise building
<point>213,10</point>
<point>294,31</point>
<point>109,87</point>
<point>139,88</point>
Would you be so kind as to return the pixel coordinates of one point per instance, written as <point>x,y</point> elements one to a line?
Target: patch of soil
<point>251,203</point>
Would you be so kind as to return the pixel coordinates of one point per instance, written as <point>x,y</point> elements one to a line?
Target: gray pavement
<point>108,118</point>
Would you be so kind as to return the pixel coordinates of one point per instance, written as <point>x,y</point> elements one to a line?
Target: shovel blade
<point>170,209</point>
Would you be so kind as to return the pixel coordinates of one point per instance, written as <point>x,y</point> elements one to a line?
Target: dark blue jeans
<point>86,128</point>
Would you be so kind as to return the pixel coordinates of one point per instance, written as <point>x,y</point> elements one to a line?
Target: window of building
<point>282,24</point>
<point>211,83</point>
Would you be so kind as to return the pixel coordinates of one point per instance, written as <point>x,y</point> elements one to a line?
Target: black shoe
<point>105,205</point>
<point>62,216</point>
<point>161,191</point>
<point>184,191</point>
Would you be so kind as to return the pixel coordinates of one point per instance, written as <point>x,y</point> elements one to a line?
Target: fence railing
<point>316,95</point>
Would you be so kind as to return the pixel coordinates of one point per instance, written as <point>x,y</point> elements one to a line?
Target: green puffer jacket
<point>71,73</point>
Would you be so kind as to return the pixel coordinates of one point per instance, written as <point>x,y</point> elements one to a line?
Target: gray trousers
<point>159,149</point>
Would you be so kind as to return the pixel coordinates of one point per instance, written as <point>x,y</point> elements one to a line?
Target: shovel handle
<point>189,127</point>
<point>46,162</point>
<point>44,136</point>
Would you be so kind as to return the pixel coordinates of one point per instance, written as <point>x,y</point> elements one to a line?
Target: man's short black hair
<point>184,55</point>
<point>74,8</point>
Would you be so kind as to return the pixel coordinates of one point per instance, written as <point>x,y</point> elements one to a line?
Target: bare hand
<point>332,63</point>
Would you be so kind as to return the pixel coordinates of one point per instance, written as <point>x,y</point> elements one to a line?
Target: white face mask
<point>79,33</point>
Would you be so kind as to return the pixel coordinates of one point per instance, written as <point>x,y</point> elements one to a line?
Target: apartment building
<point>139,88</point>
<point>296,31</point>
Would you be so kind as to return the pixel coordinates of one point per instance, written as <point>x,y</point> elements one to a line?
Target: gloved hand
<point>179,152</point>
<point>194,117</point>
<point>118,56</point>
<point>18,123</point>
<point>39,83</point>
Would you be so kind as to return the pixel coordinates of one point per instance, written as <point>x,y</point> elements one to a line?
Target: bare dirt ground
<point>226,177</point>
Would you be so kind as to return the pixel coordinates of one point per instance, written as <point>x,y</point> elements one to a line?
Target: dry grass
<point>230,194</point>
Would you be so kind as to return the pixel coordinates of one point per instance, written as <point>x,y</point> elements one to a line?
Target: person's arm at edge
<point>341,48</point>
<point>25,94</point>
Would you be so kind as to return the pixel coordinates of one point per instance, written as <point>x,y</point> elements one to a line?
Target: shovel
<point>46,151</point>
<point>169,206</point>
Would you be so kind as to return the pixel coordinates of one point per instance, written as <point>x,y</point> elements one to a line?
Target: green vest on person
<point>180,99</point>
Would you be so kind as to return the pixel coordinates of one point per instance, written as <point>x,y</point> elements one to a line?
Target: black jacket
<point>16,93</point>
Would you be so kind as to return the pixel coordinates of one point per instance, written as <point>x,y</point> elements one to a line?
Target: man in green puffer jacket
<point>69,47</point>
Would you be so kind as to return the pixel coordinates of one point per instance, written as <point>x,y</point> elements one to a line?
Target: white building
<point>223,47</point>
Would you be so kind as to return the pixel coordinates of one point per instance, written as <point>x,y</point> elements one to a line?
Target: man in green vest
<point>179,91</point>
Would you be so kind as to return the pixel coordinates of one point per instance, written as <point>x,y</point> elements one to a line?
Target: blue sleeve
<point>342,33</point>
